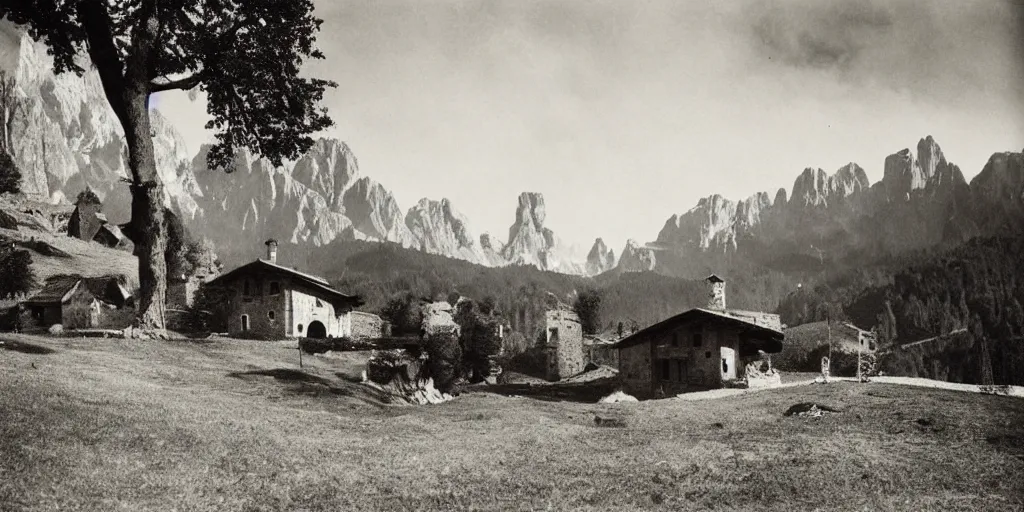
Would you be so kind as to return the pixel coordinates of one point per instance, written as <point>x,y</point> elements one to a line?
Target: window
<point>300,328</point>
<point>707,354</point>
<point>246,288</point>
<point>675,339</point>
<point>681,370</point>
<point>665,369</point>
<point>245,323</point>
<point>319,304</point>
<point>270,314</point>
<point>275,288</point>
<point>698,339</point>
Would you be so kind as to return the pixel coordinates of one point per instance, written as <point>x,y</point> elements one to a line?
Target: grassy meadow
<point>110,424</point>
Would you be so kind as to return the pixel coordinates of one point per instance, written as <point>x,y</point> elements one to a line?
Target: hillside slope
<point>233,425</point>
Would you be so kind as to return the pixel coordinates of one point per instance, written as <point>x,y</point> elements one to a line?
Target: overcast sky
<point>623,113</point>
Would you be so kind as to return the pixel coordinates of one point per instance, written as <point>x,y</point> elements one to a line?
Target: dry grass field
<point>104,424</point>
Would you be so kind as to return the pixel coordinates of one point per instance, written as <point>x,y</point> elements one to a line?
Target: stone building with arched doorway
<point>271,301</point>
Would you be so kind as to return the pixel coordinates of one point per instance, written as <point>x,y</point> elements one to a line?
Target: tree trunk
<point>147,222</point>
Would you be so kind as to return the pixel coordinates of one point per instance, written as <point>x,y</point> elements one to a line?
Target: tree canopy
<point>245,55</point>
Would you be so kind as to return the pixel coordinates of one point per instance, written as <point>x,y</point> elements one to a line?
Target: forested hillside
<point>966,302</point>
<point>379,271</point>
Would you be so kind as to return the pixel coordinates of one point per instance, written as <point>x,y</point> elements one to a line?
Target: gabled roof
<point>58,289</point>
<point>699,314</point>
<point>317,283</point>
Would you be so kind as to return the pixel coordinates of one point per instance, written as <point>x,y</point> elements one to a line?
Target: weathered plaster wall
<point>564,345</point>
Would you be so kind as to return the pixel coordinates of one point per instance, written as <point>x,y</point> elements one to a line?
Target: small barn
<point>699,349</point>
<point>272,301</point>
<point>78,302</point>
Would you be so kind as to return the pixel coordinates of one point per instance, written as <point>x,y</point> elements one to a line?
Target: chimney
<point>272,250</point>
<point>716,292</point>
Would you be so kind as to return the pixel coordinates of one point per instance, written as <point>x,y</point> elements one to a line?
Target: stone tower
<point>716,292</point>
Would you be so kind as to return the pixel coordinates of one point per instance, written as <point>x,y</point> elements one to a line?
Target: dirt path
<point>1014,391</point>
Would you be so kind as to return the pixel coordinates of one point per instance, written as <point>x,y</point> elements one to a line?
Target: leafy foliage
<point>247,56</point>
<point>588,307</point>
<point>16,274</point>
<point>402,311</point>
<point>478,334</point>
<point>88,196</point>
<point>210,310</point>
<point>10,176</point>
<point>444,358</point>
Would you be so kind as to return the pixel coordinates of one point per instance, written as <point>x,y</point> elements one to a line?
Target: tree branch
<point>184,84</point>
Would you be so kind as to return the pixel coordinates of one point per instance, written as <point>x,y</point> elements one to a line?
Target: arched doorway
<point>316,329</point>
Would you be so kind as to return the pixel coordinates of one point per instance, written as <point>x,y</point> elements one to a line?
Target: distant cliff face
<point>67,138</point>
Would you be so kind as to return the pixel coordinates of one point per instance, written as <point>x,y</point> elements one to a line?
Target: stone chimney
<point>716,292</point>
<point>272,250</point>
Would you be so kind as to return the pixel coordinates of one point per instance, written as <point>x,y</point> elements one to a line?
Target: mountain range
<point>66,138</point>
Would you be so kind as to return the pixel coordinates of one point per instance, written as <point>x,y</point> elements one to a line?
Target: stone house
<point>78,302</point>
<point>563,344</point>
<point>699,349</point>
<point>270,301</point>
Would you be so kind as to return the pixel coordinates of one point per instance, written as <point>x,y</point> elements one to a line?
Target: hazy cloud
<point>932,50</point>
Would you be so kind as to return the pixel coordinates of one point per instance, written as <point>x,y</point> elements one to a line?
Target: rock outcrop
<point>531,243</point>
<point>440,229</point>
<point>635,258</point>
<point>600,259</point>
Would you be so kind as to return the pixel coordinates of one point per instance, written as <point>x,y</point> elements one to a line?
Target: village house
<point>699,349</point>
<point>271,301</point>
<point>563,343</point>
<point>78,302</point>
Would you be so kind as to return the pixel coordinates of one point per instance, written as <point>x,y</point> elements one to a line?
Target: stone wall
<point>367,325</point>
<point>635,370</point>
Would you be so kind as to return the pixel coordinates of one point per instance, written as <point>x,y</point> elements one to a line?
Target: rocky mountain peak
<point>329,168</point>
<point>440,229</point>
<point>815,188</point>
<point>600,259</point>
<point>636,258</point>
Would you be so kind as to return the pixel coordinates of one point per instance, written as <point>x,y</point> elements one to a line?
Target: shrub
<point>16,275</point>
<point>444,355</point>
<point>10,176</point>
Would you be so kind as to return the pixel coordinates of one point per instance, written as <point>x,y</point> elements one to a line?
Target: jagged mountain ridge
<point>68,138</point>
<point>922,201</point>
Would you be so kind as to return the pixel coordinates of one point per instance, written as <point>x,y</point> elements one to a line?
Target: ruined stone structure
<point>271,301</point>
<point>563,346</point>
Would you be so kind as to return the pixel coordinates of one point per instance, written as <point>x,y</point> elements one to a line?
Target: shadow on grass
<point>312,385</point>
<point>25,348</point>
<point>583,392</point>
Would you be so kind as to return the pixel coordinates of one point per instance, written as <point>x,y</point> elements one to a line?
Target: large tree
<point>246,55</point>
